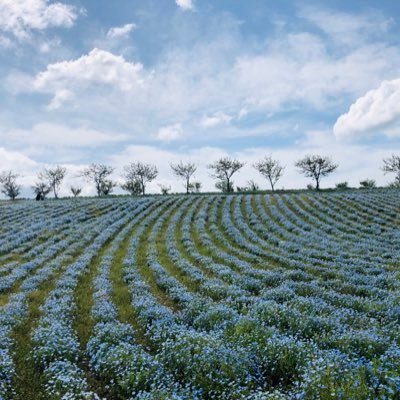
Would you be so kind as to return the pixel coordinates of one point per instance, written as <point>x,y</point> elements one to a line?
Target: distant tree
<point>140,173</point>
<point>9,186</point>
<point>223,187</point>
<point>99,174</point>
<point>53,177</point>
<point>368,184</point>
<point>41,189</point>
<point>315,166</point>
<point>392,165</point>
<point>76,191</point>
<point>250,187</point>
<point>270,169</point>
<point>342,185</point>
<point>224,169</point>
<point>195,187</point>
<point>165,189</point>
<point>394,185</point>
<point>184,171</point>
<point>133,187</point>
<point>253,186</point>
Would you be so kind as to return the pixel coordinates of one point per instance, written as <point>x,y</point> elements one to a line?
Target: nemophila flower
<point>246,297</point>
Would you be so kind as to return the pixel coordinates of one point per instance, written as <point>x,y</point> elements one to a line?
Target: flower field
<point>255,296</point>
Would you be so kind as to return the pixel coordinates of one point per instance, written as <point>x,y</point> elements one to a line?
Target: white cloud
<point>49,45</point>
<point>216,119</point>
<point>299,69</point>
<point>49,135</point>
<point>185,4</point>
<point>170,133</point>
<point>60,98</point>
<point>15,160</point>
<point>20,17</point>
<point>99,67</point>
<point>286,73</point>
<point>378,111</point>
<point>120,31</point>
<point>346,28</point>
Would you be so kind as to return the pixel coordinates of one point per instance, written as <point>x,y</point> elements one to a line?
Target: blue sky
<point>162,81</point>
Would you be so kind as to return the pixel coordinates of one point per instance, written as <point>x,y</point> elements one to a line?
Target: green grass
<point>29,381</point>
<point>147,274</point>
<point>121,295</point>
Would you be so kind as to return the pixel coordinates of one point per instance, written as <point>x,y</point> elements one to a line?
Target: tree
<point>368,184</point>
<point>99,174</point>
<point>9,186</point>
<point>315,166</point>
<point>133,187</point>
<point>251,187</point>
<point>342,185</point>
<point>392,165</point>
<point>54,178</point>
<point>195,187</point>
<point>270,169</point>
<point>140,173</point>
<point>165,189</point>
<point>76,191</point>
<point>184,171</point>
<point>224,169</point>
<point>41,189</point>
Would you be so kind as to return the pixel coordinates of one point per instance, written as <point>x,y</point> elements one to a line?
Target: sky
<point>160,81</point>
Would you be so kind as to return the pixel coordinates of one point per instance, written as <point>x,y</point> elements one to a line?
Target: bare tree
<point>41,189</point>
<point>9,186</point>
<point>184,171</point>
<point>270,169</point>
<point>224,169</point>
<point>76,191</point>
<point>315,166</point>
<point>392,165</point>
<point>53,177</point>
<point>99,174</point>
<point>141,173</point>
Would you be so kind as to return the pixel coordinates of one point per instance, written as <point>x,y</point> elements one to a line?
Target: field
<point>257,296</point>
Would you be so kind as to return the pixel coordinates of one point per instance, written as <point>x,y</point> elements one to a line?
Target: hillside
<point>197,297</point>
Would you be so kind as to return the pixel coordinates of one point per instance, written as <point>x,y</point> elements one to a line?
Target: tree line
<point>137,175</point>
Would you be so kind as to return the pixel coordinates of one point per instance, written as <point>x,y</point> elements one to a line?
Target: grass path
<point>29,381</point>
<point>144,269</point>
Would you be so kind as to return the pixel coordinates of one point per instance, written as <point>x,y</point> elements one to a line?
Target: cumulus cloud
<point>120,31</point>
<point>378,111</point>
<point>20,17</point>
<point>216,119</point>
<point>99,67</point>
<point>170,133</point>
<point>185,4</point>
